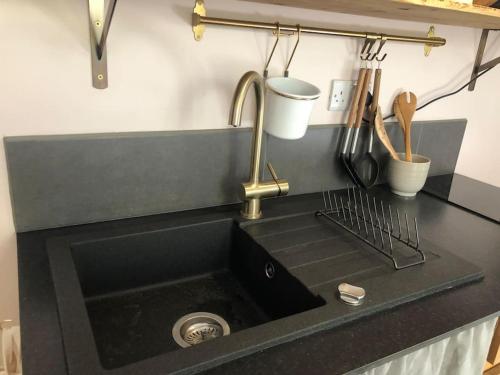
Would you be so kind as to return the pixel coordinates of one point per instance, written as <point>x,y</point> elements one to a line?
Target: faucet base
<point>251,209</point>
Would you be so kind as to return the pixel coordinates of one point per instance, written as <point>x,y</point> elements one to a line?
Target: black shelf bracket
<point>478,65</point>
<point>99,22</point>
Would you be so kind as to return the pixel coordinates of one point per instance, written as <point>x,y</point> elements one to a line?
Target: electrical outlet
<point>340,95</point>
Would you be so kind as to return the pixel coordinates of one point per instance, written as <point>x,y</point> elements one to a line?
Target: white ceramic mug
<point>288,106</point>
<point>408,178</point>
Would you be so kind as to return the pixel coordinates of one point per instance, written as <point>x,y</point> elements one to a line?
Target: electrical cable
<point>446,95</point>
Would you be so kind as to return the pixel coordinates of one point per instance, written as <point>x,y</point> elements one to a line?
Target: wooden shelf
<point>430,11</point>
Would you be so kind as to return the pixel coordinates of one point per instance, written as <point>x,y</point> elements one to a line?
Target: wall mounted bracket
<point>99,22</point>
<point>198,11</point>
<point>430,34</point>
<point>478,66</point>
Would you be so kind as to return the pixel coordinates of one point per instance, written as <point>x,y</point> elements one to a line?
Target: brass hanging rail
<point>200,19</point>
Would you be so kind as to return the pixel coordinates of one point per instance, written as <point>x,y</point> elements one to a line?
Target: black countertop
<point>336,351</point>
<point>465,192</point>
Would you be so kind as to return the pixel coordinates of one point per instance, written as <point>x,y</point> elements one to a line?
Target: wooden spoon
<point>401,121</point>
<point>407,111</point>
<point>382,134</point>
<point>399,116</point>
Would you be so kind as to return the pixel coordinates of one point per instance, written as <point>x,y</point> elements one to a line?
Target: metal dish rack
<point>366,218</point>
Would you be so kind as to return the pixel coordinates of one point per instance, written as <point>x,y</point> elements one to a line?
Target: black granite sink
<point>272,281</point>
<point>137,286</point>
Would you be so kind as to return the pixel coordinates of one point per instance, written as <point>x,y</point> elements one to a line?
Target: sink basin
<point>135,287</point>
<point>120,294</point>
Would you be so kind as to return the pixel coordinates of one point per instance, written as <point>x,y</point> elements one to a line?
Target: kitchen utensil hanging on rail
<point>366,166</point>
<point>357,125</point>
<point>357,108</point>
<point>351,121</point>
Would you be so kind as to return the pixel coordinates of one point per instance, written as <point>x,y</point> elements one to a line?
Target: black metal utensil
<point>366,166</point>
<point>357,125</point>
<point>350,123</point>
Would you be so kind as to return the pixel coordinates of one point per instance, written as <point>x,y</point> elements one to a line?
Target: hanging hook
<point>278,32</point>
<point>365,54</point>
<point>285,74</point>
<point>367,47</point>
<point>372,56</point>
<point>383,39</point>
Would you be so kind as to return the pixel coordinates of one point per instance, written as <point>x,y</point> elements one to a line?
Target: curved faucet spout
<point>240,94</point>
<point>253,190</point>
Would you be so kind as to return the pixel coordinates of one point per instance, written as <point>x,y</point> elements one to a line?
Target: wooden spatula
<point>382,134</point>
<point>407,110</point>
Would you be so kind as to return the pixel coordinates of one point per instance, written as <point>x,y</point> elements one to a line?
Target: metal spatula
<point>350,123</point>
<point>366,166</point>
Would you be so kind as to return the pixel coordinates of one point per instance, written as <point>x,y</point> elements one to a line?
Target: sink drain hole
<point>199,327</point>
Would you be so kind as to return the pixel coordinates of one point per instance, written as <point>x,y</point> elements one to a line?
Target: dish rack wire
<point>370,224</point>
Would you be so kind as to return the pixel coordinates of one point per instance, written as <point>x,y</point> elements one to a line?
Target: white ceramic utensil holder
<point>408,178</point>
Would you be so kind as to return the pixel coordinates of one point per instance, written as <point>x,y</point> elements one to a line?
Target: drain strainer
<point>199,327</point>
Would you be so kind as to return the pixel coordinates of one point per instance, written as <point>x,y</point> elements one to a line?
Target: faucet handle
<point>280,183</point>
<point>272,171</point>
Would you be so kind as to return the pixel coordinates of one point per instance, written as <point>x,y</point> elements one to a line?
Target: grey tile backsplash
<point>65,180</point>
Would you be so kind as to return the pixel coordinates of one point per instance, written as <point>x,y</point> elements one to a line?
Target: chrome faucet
<point>254,190</point>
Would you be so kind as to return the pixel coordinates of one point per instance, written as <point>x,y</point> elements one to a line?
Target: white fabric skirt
<point>10,347</point>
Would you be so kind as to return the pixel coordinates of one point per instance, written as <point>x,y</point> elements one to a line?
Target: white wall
<point>161,79</point>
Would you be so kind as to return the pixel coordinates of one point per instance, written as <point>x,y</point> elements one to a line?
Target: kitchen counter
<point>360,343</point>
